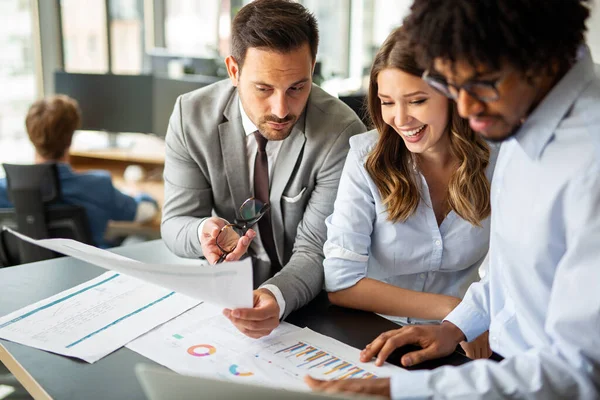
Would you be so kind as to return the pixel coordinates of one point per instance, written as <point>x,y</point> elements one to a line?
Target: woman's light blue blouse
<point>415,254</point>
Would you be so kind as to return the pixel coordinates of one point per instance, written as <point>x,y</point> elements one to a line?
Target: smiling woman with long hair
<point>410,226</point>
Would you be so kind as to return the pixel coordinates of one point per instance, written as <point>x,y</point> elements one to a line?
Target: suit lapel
<point>233,151</point>
<point>291,148</point>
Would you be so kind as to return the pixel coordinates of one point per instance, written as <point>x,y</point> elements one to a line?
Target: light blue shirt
<point>415,254</point>
<point>541,302</point>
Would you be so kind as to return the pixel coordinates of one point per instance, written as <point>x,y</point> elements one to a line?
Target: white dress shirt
<point>272,150</point>
<point>541,297</point>
<point>416,254</point>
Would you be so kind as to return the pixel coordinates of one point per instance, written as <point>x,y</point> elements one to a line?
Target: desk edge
<point>24,378</point>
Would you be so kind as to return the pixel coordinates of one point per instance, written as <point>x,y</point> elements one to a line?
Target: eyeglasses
<point>249,212</point>
<point>484,91</point>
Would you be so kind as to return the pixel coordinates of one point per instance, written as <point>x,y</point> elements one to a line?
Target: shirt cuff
<point>411,385</point>
<point>278,296</point>
<point>468,320</point>
<point>146,197</point>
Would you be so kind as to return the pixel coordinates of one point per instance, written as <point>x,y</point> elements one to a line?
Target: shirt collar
<point>249,127</point>
<point>539,127</point>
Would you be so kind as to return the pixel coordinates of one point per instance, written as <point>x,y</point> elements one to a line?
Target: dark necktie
<point>261,192</point>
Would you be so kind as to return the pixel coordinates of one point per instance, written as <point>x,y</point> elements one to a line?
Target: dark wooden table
<point>47,375</point>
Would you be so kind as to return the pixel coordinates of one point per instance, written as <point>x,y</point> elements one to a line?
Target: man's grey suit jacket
<point>206,173</point>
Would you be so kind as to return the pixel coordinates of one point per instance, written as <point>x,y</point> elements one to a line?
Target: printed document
<point>202,342</point>
<point>95,318</point>
<point>228,285</point>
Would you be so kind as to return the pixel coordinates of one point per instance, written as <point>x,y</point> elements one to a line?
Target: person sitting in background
<point>51,123</point>
<point>410,226</point>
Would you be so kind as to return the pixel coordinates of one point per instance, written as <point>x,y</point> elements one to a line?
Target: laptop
<point>163,384</point>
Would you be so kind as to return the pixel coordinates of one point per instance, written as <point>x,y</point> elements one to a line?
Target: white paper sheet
<point>95,318</point>
<point>307,352</point>
<point>227,285</point>
<point>204,343</point>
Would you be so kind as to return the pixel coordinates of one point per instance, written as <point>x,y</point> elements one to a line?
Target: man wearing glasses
<point>259,155</point>
<point>519,71</point>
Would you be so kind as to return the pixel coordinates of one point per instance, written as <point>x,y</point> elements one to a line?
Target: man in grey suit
<point>267,131</point>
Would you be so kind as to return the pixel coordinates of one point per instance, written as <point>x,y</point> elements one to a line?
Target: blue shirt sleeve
<point>123,207</point>
<point>472,315</point>
<point>145,197</point>
<point>349,228</point>
<point>4,202</point>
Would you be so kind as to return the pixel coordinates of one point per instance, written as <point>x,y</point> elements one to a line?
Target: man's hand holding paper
<point>258,321</point>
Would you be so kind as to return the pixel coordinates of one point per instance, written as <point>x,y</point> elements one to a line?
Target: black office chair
<point>35,193</point>
<point>358,103</point>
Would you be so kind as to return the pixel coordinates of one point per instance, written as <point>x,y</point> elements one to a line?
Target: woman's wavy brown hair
<point>390,164</point>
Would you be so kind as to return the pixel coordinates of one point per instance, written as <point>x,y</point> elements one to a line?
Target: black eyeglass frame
<point>443,87</point>
<point>242,224</point>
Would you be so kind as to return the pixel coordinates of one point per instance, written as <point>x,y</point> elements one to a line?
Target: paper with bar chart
<point>307,352</point>
<point>91,320</point>
<point>202,342</point>
<point>318,362</point>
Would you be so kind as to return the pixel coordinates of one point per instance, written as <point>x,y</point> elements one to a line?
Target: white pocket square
<point>295,198</point>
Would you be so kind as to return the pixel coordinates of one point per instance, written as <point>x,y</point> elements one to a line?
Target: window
<point>126,36</point>
<point>333,17</point>
<point>387,15</point>
<point>17,75</point>
<point>192,27</point>
<point>84,35</point>
<point>593,34</point>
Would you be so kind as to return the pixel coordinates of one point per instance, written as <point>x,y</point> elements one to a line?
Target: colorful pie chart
<point>201,350</point>
<point>234,371</point>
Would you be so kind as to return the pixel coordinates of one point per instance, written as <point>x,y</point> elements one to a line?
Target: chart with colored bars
<point>311,358</point>
<point>203,342</point>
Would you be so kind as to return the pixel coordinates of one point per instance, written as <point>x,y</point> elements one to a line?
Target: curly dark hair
<point>528,34</point>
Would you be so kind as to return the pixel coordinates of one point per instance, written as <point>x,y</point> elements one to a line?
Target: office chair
<point>358,103</point>
<point>35,193</point>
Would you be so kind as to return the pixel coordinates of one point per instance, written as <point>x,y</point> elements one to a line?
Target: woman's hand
<point>478,348</point>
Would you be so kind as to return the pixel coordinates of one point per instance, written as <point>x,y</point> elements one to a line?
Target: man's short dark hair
<point>277,25</point>
<point>528,34</point>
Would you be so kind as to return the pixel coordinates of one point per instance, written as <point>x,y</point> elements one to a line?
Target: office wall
<point>166,91</point>
<point>593,35</point>
<point>387,15</point>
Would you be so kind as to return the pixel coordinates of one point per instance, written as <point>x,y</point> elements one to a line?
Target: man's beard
<point>505,137</point>
<point>273,134</point>
<point>513,130</point>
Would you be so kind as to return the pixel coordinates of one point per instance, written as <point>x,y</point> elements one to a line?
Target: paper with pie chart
<point>202,342</point>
